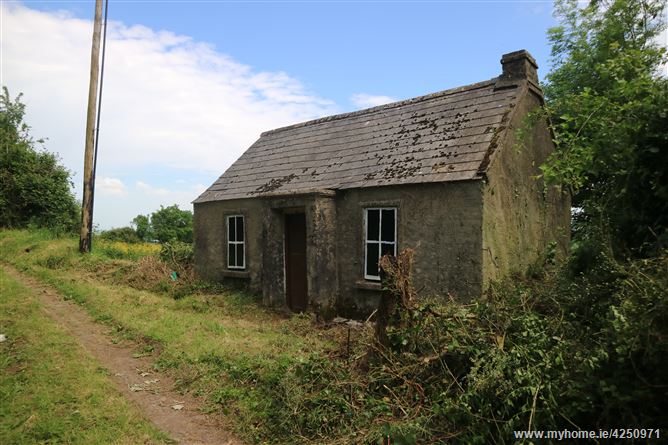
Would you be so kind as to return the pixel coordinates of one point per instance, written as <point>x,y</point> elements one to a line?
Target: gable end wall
<point>520,219</point>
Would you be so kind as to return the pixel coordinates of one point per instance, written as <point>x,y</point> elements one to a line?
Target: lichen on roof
<point>444,136</point>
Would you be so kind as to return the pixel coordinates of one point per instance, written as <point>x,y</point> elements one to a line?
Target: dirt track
<point>176,414</point>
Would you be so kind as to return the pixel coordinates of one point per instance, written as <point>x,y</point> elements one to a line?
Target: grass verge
<point>51,390</point>
<point>223,346</point>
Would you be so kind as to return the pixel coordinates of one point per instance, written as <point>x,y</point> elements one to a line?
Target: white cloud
<point>110,186</point>
<point>363,100</point>
<point>150,190</point>
<point>171,107</point>
<point>167,99</point>
<point>162,196</point>
<point>198,189</point>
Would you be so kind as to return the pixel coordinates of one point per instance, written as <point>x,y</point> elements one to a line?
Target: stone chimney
<point>517,66</point>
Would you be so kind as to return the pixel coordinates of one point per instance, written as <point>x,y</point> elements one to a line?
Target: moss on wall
<point>521,218</point>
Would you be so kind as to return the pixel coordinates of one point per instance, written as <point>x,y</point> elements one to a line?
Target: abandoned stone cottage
<point>305,213</point>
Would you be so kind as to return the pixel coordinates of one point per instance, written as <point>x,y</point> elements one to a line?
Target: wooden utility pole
<point>88,185</point>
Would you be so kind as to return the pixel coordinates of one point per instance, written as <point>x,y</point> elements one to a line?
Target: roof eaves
<point>328,192</point>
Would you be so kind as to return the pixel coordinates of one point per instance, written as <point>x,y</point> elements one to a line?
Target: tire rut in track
<point>133,376</point>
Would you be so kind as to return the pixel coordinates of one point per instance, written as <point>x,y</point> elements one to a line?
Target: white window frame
<point>229,243</point>
<point>379,241</point>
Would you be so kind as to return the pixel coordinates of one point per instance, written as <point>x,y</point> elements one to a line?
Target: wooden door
<point>295,261</point>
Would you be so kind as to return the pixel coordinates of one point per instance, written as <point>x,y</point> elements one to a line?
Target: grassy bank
<point>51,390</point>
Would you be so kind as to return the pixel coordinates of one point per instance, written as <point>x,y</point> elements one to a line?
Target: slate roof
<point>445,136</point>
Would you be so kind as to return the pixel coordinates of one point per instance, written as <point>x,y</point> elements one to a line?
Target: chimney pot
<point>519,65</point>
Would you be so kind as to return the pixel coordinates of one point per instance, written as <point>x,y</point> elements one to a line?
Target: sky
<point>189,85</point>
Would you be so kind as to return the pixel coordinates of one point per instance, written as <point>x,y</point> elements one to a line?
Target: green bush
<point>617,314</point>
<point>123,234</point>
<point>35,189</point>
<point>541,354</point>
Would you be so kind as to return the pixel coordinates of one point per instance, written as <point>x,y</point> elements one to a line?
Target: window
<point>236,258</point>
<point>380,238</point>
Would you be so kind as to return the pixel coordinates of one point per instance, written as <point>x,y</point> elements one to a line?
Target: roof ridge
<point>391,105</point>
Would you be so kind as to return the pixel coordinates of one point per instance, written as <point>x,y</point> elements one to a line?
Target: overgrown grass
<point>122,250</point>
<point>51,390</point>
<point>571,348</point>
<point>214,344</point>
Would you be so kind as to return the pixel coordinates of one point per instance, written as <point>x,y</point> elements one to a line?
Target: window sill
<point>368,285</point>
<point>236,273</point>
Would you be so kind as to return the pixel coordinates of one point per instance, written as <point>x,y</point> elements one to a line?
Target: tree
<point>608,103</point>
<point>171,223</point>
<point>35,189</point>
<point>165,225</point>
<point>142,224</point>
<point>609,106</point>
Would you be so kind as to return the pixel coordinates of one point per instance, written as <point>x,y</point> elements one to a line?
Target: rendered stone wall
<point>321,239</point>
<point>520,218</point>
<point>273,261</point>
<point>441,222</point>
<point>210,233</point>
<point>265,238</point>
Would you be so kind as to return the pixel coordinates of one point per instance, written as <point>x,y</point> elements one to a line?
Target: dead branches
<point>398,292</point>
